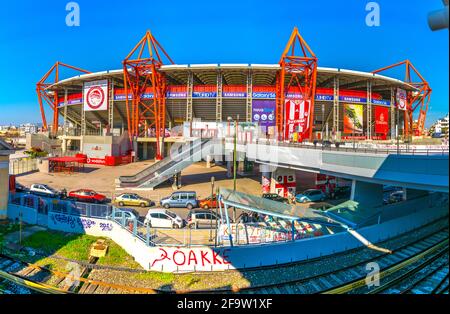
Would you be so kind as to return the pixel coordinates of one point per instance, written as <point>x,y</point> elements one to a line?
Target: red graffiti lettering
<point>174,257</point>
<point>215,259</point>
<point>203,255</point>
<point>192,257</point>
<point>164,256</point>
<point>225,257</point>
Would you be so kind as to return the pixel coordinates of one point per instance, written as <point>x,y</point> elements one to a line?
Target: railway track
<point>22,277</point>
<point>352,277</point>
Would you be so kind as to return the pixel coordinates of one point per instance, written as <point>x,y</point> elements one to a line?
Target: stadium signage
<point>264,95</point>
<point>234,94</point>
<point>401,99</point>
<point>95,97</point>
<point>204,94</point>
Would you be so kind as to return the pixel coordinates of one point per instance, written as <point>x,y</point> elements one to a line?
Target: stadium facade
<point>293,100</point>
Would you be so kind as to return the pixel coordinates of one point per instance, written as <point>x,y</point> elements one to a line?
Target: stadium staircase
<point>165,169</point>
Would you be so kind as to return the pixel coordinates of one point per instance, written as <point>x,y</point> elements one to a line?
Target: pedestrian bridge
<point>414,169</point>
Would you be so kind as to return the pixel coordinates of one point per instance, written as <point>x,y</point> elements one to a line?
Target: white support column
<point>392,108</point>
<point>190,87</point>
<point>111,106</point>
<point>65,124</point>
<point>249,95</point>
<point>219,97</point>
<point>336,107</point>
<point>369,110</point>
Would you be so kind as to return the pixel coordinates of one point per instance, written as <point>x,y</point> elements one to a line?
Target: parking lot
<point>194,178</point>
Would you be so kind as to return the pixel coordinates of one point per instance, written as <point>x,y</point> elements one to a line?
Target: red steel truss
<point>301,65</point>
<point>415,99</point>
<point>51,98</point>
<point>142,72</point>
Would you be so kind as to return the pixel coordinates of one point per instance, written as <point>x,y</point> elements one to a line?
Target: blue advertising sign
<point>234,94</point>
<point>264,95</point>
<point>263,113</point>
<point>204,94</point>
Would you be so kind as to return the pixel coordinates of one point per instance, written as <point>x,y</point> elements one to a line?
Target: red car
<point>85,195</point>
<point>208,203</point>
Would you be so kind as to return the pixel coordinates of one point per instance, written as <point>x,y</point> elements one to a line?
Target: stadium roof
<point>263,74</point>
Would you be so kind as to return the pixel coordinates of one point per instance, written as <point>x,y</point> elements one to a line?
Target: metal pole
<point>210,215</point>
<point>397,131</point>
<point>235,156</point>
<point>217,215</point>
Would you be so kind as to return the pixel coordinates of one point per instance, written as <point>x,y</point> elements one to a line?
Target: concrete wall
<point>202,258</point>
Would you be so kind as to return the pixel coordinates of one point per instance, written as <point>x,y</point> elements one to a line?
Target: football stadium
<point>144,103</point>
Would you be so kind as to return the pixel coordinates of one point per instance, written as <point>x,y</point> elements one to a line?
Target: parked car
<point>209,202</point>
<point>394,197</point>
<point>162,218</point>
<point>186,199</point>
<point>275,197</point>
<point>44,190</point>
<point>341,192</point>
<point>85,195</point>
<point>126,216</point>
<point>21,188</point>
<point>202,218</point>
<point>132,199</point>
<point>311,195</point>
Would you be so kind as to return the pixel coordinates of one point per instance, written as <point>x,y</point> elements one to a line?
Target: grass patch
<point>159,278</point>
<point>117,256</point>
<point>71,246</point>
<point>9,228</point>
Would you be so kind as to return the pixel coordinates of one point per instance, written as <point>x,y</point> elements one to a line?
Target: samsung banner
<point>263,113</point>
<point>95,96</point>
<point>296,118</point>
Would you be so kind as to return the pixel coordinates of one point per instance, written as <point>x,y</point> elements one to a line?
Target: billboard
<point>263,113</point>
<point>297,118</point>
<point>353,118</point>
<point>401,99</point>
<point>381,120</point>
<point>95,96</point>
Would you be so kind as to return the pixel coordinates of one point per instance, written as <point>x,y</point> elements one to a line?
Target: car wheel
<point>121,204</point>
<point>175,226</point>
<point>143,204</point>
<point>206,207</point>
<point>166,206</point>
<point>189,206</point>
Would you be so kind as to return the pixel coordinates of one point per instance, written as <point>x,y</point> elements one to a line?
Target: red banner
<point>381,120</point>
<point>297,118</point>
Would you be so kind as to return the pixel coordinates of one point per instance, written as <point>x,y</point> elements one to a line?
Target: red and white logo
<point>95,97</point>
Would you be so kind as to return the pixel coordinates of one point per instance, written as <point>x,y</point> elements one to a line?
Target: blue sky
<point>33,35</point>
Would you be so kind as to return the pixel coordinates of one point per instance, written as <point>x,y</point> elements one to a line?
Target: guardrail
<point>345,148</point>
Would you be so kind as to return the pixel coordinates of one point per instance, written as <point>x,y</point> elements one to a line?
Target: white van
<point>162,218</point>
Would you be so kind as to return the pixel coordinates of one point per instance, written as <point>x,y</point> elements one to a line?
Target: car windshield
<point>171,214</point>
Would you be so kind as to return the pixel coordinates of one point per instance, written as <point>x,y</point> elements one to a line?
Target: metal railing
<point>358,149</point>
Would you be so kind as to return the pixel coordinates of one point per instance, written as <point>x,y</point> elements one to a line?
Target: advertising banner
<point>381,120</point>
<point>95,96</point>
<point>401,99</point>
<point>263,113</point>
<point>297,118</point>
<point>353,118</point>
